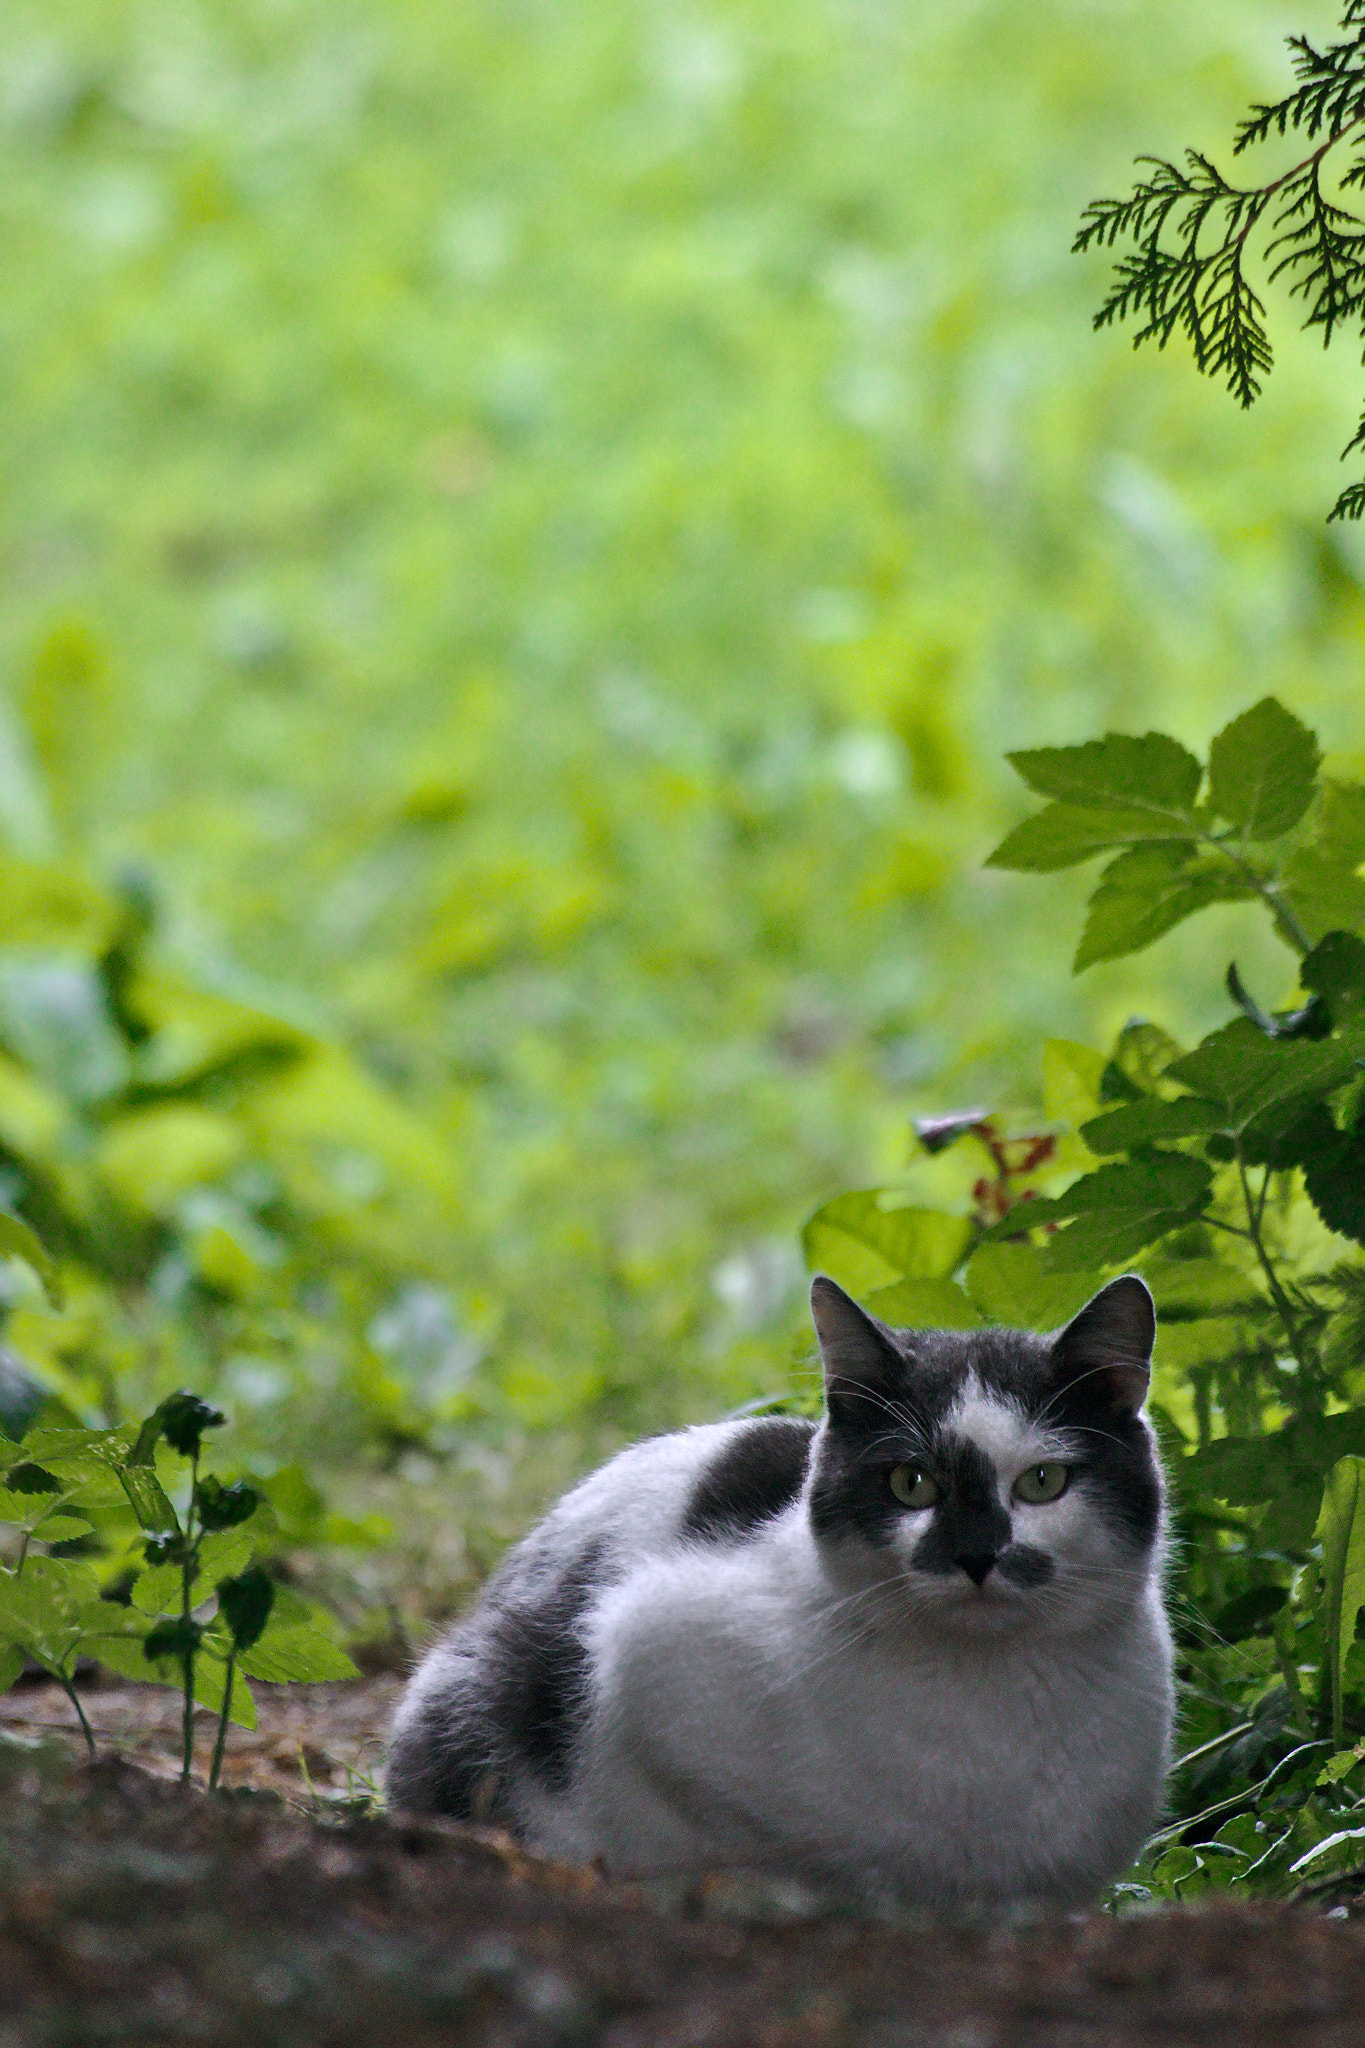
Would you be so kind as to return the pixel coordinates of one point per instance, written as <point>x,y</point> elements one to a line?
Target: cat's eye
<point>913,1488</point>
<point>1042,1483</point>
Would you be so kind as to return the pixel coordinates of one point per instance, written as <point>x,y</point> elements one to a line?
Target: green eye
<point>1042,1482</point>
<point>915,1489</point>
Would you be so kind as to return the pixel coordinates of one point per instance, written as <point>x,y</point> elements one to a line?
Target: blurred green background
<point>528,530</point>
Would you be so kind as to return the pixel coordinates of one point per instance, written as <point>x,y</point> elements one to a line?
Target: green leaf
<point>12,1662</point>
<point>1335,1181</point>
<point>1267,1081</point>
<point>1149,890</point>
<point>1263,771</point>
<point>1198,1287</point>
<point>1207,1340</point>
<point>61,1529</point>
<point>29,1510</point>
<point>45,1609</point>
<point>1148,1123</point>
<point>1335,970</point>
<point>1325,893</point>
<point>1247,1470</point>
<point>157,1591</point>
<point>296,1654</point>
<point>210,1680</point>
<point>226,1553</point>
<point>1153,773</point>
<point>1010,1284</point>
<point>179,1635</point>
<point>1062,836</point>
<point>245,1603</point>
<point>1341,1852</point>
<point>1119,1210</point>
<point>17,1241</point>
<point>923,1305</point>
<point>865,1246</point>
<point>149,1502</point>
<point>1341,822</point>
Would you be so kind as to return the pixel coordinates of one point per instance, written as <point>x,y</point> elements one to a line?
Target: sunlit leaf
<point>1262,770</point>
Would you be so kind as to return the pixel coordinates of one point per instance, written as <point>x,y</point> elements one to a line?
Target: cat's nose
<point>976,1564</point>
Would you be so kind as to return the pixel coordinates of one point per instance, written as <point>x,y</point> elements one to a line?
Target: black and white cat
<point>919,1646</point>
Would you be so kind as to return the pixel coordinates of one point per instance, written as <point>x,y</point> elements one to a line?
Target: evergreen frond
<point>1194,233</point>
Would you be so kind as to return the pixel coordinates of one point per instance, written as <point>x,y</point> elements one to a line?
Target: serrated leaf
<point>923,1305</point>
<point>1151,773</point>
<point>864,1246</point>
<point>1341,1526</point>
<point>210,1683</point>
<point>1324,893</point>
<point>1263,771</point>
<point>1153,1122</point>
<point>1119,1210</point>
<point>45,1608</point>
<point>158,1590</point>
<point>1247,1470</point>
<point>1011,1285</point>
<point>1149,890</point>
<point>1063,836</point>
<point>1264,1081</point>
<point>1335,1180</point>
<point>61,1529</point>
<point>223,1555</point>
<point>296,1655</point>
<point>1340,824</point>
<point>28,1510</point>
<point>1335,970</point>
<point>1198,1287</point>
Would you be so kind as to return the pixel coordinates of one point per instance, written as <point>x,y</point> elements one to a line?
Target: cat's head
<point>990,1478</point>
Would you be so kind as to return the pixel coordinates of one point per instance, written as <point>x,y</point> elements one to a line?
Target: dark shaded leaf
<point>177,1637</point>
<point>182,1419</point>
<point>1250,1613</point>
<point>154,1512</point>
<point>1266,1080</point>
<point>1119,1210</point>
<point>1263,770</point>
<point>1334,1175</point>
<point>245,1603</point>
<point>936,1133</point>
<point>223,1507</point>
<point>1335,970</point>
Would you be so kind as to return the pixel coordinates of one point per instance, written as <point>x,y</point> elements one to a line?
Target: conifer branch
<point>1192,229</point>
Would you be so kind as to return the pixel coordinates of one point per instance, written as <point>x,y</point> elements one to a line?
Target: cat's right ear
<point>859,1361</point>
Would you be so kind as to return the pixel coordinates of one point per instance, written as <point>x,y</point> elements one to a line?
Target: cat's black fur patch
<point>541,1669</point>
<point>514,1695</point>
<point>758,1474</point>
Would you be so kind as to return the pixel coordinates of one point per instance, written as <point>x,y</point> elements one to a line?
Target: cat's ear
<point>859,1360</point>
<point>1109,1344</point>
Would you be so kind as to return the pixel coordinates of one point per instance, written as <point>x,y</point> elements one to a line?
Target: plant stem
<point>69,1689</point>
<point>1272,1278</point>
<point>187,1614</point>
<point>1286,918</point>
<point>216,1766</point>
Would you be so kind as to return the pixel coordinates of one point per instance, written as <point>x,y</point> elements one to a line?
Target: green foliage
<point>1193,230</point>
<point>197,1613</point>
<point>1229,1175</point>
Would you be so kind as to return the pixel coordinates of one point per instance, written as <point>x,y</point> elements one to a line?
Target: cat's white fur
<point>776,1700</point>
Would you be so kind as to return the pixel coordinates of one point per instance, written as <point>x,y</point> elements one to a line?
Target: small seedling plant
<point>1232,1176</point>
<point>203,1614</point>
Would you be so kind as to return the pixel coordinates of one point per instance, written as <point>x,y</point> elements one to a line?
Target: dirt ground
<point>134,1910</point>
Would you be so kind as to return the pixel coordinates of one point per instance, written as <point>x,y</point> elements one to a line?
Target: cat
<point>919,1647</point>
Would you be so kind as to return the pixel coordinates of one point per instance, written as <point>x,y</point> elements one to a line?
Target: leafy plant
<point>1233,1177</point>
<point>202,1615</point>
<point>1194,231</point>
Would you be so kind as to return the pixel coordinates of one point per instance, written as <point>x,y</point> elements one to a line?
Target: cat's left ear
<point>859,1360</point>
<point>1110,1343</point>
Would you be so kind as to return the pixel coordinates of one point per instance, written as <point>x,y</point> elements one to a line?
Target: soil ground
<point>136,1910</point>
